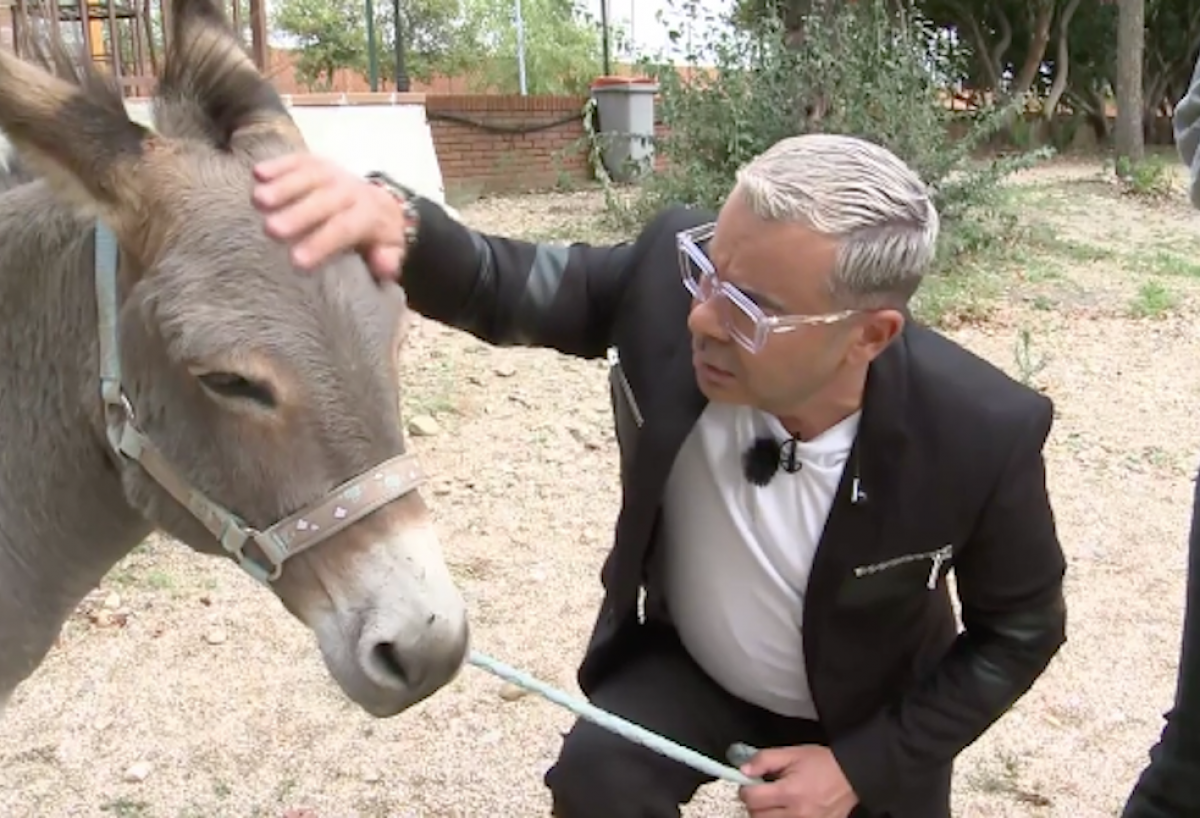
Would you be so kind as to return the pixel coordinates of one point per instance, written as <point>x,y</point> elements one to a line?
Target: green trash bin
<point>625,110</point>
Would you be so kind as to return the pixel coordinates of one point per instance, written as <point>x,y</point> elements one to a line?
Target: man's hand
<point>321,209</point>
<point>809,784</point>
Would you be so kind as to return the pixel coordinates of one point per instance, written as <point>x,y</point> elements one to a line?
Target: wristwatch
<point>407,198</point>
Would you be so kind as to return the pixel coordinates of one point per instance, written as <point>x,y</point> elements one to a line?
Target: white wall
<point>394,138</point>
<point>364,136</point>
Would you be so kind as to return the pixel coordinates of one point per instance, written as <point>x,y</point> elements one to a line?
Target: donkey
<point>164,366</point>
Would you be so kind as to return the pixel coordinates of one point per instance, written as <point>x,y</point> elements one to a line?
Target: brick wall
<point>502,143</point>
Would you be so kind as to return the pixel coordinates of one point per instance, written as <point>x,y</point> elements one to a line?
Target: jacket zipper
<point>614,361</point>
<point>937,557</point>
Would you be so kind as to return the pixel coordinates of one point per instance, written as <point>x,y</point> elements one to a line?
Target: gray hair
<point>860,193</point>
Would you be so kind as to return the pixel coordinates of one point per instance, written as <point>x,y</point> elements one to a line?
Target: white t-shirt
<point>738,555</point>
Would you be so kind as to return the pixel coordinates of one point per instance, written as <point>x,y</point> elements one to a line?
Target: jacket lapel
<point>877,460</point>
<point>670,412</point>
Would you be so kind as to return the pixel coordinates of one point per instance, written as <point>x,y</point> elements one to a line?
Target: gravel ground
<point>181,689</point>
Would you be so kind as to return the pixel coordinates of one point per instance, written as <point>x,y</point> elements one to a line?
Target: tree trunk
<point>1062,61</point>
<point>1041,19</point>
<point>1131,44</point>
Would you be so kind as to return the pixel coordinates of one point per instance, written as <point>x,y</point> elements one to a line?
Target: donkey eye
<point>232,386</point>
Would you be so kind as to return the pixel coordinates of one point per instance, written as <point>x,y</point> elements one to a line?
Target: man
<point>800,467</point>
<point>1168,787</point>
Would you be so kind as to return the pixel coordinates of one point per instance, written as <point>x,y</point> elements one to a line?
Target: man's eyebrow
<point>763,300</point>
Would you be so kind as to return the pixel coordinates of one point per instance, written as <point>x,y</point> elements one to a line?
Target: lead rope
<point>737,753</point>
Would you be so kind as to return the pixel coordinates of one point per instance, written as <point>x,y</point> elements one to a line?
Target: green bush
<point>1148,178</point>
<point>883,78</point>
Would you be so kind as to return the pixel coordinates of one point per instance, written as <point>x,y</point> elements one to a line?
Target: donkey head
<point>265,388</point>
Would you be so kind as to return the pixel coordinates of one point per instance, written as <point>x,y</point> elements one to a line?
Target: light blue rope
<point>615,724</point>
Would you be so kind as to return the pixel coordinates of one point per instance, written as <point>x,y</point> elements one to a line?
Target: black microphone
<point>766,457</point>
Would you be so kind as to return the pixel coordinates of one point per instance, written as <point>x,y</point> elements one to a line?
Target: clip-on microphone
<point>766,456</point>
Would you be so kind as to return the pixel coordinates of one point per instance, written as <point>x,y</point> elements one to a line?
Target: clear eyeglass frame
<point>744,320</point>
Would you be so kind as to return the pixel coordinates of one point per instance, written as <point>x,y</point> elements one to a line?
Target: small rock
<point>109,619</point>
<point>216,636</point>
<point>372,777</point>
<point>423,426</point>
<point>112,601</point>
<point>506,371</point>
<point>511,692</point>
<point>138,772</point>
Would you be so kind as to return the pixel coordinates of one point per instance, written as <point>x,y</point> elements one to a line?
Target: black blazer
<point>948,456</point>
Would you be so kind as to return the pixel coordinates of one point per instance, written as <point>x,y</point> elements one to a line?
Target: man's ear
<point>875,330</point>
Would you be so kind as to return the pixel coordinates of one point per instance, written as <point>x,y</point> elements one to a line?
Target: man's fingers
<point>338,232</point>
<point>321,211</point>
<point>287,188</point>
<point>770,760</point>
<point>304,215</point>
<point>269,169</point>
<point>759,798</point>
<point>384,261</point>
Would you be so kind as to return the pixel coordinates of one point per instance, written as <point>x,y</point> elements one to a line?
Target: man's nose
<point>704,319</point>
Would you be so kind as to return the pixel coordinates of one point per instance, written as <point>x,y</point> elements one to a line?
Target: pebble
<point>423,426</point>
<point>216,636</point>
<point>137,773</point>
<point>511,692</point>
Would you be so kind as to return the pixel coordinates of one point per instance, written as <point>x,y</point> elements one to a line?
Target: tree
<point>881,73</point>
<point>332,34</point>
<point>1131,40</point>
<point>562,46</point>
<point>448,38</point>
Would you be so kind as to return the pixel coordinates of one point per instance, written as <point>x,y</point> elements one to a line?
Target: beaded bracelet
<point>405,197</point>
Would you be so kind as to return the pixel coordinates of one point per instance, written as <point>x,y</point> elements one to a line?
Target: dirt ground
<point>211,701</point>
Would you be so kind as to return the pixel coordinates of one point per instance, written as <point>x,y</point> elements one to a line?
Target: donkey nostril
<point>416,664</point>
<point>389,664</point>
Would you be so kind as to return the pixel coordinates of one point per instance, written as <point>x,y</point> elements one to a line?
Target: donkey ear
<point>209,81</point>
<point>75,134</point>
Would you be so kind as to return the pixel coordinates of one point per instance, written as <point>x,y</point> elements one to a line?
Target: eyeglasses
<point>744,320</point>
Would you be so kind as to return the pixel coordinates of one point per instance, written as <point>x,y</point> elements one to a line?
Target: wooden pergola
<point>125,36</point>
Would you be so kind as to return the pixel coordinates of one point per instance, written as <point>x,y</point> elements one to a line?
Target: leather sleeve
<point>1009,577</point>
<point>509,292</point>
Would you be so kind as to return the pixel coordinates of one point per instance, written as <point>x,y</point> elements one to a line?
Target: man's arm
<point>1187,132</point>
<point>511,292</point>
<point>1009,578</point>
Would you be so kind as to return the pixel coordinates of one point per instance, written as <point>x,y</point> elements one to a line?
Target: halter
<point>260,553</point>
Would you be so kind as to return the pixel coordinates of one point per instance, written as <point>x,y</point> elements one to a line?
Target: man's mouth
<point>710,371</point>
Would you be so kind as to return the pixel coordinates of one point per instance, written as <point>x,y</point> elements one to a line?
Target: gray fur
<point>217,289</point>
